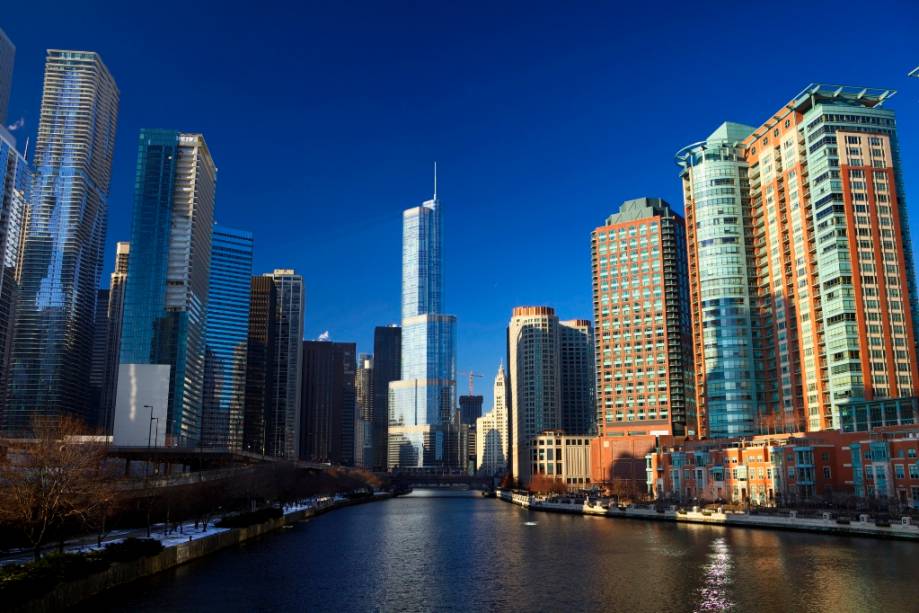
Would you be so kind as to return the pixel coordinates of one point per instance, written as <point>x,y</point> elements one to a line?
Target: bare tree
<point>57,478</point>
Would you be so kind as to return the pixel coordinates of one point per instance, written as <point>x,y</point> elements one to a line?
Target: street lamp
<point>149,433</point>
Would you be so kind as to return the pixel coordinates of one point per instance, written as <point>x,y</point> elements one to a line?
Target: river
<point>453,551</point>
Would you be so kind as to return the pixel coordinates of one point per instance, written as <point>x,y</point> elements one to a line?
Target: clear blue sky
<point>324,120</point>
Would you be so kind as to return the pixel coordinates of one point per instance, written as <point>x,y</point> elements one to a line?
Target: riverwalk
<point>180,549</point>
<point>861,525</point>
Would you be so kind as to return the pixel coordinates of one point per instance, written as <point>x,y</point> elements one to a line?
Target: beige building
<point>561,456</point>
<point>491,443</point>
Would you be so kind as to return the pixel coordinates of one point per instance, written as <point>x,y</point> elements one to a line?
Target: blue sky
<point>325,119</point>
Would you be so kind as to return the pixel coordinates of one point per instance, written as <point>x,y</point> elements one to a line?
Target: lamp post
<point>149,434</point>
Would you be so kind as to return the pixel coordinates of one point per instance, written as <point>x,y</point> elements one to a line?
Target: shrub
<point>131,549</point>
<point>21,583</point>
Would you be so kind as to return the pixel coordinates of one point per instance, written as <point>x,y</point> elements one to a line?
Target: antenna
<point>25,153</point>
<point>435,180</point>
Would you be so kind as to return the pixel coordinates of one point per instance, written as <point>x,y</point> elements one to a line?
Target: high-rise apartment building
<point>363,400</point>
<point>166,296</point>
<point>274,364</point>
<point>641,306</point>
<point>64,239</point>
<point>421,402</point>
<point>492,444</point>
<point>577,400</point>
<point>15,193</point>
<point>800,265</point>
<point>7,59</point>
<point>287,367</point>
<point>226,338</point>
<point>258,420</point>
<point>387,365</point>
<point>107,341</point>
<point>328,402</point>
<point>535,387</point>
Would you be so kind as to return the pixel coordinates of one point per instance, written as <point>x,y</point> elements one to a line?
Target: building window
<point>826,472</point>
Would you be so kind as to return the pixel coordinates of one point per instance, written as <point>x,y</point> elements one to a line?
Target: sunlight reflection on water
<point>713,595</point>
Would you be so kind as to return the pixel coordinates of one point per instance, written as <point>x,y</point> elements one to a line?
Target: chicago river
<point>456,551</point>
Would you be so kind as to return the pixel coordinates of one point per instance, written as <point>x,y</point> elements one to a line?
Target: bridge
<point>407,480</point>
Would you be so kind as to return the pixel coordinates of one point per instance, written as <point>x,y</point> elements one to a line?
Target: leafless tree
<point>57,478</point>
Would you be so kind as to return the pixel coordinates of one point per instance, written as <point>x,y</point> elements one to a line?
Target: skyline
<point>500,162</point>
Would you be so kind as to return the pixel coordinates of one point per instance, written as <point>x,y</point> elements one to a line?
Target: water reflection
<point>717,578</point>
<point>437,552</point>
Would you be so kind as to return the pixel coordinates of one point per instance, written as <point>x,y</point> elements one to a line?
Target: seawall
<point>901,529</point>
<point>71,593</point>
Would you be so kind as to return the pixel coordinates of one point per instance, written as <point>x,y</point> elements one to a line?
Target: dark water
<point>431,553</point>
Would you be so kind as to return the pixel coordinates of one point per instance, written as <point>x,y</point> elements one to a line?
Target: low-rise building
<point>565,457</point>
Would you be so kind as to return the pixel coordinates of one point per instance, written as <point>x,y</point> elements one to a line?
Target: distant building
<point>421,401</point>
<point>328,402</point>
<point>577,402</point>
<point>363,429</point>
<point>491,442</point>
<point>103,379</point>
<point>470,409</point>
<point>166,296</point>
<point>63,247</point>
<point>641,306</point>
<point>226,338</point>
<point>7,59</point>
<point>274,364</point>
<point>261,344</point>
<point>387,365</point>
<point>534,381</point>
<point>15,195</point>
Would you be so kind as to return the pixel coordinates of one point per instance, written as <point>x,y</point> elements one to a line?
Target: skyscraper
<point>470,408</point>
<point>578,409</point>
<point>62,254</point>
<point>421,402</point>
<point>7,59</point>
<point>492,442</point>
<point>107,342</point>
<point>533,343</point>
<point>328,402</point>
<point>800,264</point>
<point>261,345</point>
<point>226,338</point>
<point>15,192</point>
<point>641,306</point>
<point>387,365</point>
<point>166,295</point>
<point>363,394</point>
<point>287,365</point>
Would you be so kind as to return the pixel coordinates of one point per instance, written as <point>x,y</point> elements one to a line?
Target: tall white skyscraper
<point>492,432</point>
<point>533,351</point>
<point>421,402</point>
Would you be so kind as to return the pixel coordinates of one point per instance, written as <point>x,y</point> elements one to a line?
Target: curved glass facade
<point>716,194</point>
<point>62,254</point>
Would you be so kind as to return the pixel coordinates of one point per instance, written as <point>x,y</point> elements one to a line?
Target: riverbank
<point>901,529</point>
<point>177,553</point>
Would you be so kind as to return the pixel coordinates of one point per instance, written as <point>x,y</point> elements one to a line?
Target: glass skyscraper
<point>227,333</point>
<point>422,401</point>
<point>167,289</point>
<point>15,191</point>
<point>63,247</point>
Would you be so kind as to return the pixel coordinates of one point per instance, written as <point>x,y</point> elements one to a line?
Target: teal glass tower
<point>226,338</point>
<point>64,239</point>
<point>166,295</point>
<point>421,402</point>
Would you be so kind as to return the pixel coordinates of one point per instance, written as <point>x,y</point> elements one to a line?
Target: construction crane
<point>914,72</point>
<point>471,374</point>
